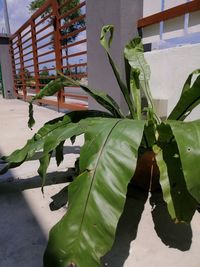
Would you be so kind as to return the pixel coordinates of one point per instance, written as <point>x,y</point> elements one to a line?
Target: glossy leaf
<point>36,143</point>
<point>109,30</point>
<point>190,98</point>
<point>187,135</point>
<point>97,196</point>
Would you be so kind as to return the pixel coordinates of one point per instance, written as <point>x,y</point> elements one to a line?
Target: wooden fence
<point>54,38</point>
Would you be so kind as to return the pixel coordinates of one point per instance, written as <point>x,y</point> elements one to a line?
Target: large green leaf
<point>190,98</point>
<point>54,86</point>
<point>36,143</point>
<point>187,135</point>
<point>188,82</point>
<point>102,98</point>
<point>57,137</point>
<point>97,196</point>
<point>109,29</point>
<point>181,205</point>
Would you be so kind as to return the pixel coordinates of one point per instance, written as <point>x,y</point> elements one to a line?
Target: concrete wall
<point>5,61</point>
<point>169,70</point>
<point>123,14</point>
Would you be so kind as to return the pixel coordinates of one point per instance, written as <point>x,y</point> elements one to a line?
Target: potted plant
<point>118,148</point>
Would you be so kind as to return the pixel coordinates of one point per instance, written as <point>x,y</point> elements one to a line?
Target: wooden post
<point>35,56</point>
<point>22,70</point>
<point>57,45</point>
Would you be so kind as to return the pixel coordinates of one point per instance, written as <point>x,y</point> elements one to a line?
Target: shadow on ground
<point>127,228</point>
<point>23,241</point>
<point>173,235</point>
<point>66,150</point>
<point>21,238</point>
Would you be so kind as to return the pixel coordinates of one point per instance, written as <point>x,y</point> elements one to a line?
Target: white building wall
<point>169,70</point>
<point>194,22</point>
<point>177,27</point>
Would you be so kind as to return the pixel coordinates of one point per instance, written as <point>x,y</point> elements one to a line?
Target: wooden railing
<point>168,14</point>
<point>54,38</point>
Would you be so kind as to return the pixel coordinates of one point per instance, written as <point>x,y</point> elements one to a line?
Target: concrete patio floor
<point>25,217</point>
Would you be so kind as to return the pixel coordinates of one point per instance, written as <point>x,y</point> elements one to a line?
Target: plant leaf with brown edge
<point>97,196</point>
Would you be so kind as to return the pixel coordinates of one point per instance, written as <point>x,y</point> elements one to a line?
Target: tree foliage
<point>35,4</point>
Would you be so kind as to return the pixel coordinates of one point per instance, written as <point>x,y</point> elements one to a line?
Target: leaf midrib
<point>92,183</point>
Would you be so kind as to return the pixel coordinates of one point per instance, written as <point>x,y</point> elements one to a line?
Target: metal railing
<point>54,38</point>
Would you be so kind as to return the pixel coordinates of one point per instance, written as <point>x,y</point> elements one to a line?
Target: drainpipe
<point>1,83</point>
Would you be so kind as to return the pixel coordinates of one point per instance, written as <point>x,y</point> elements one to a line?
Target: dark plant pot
<point>147,173</point>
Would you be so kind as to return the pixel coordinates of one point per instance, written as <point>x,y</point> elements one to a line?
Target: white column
<point>123,14</point>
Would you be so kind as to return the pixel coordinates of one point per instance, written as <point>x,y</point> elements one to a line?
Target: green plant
<point>114,143</point>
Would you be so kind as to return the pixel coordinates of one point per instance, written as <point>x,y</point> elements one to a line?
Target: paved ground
<point>25,217</point>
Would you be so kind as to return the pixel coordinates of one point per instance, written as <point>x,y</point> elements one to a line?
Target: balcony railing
<point>177,25</point>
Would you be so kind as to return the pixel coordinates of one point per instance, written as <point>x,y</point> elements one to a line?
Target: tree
<point>27,74</point>
<point>35,4</point>
<point>44,76</point>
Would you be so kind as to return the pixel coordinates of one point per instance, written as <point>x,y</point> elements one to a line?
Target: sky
<point>18,13</point>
